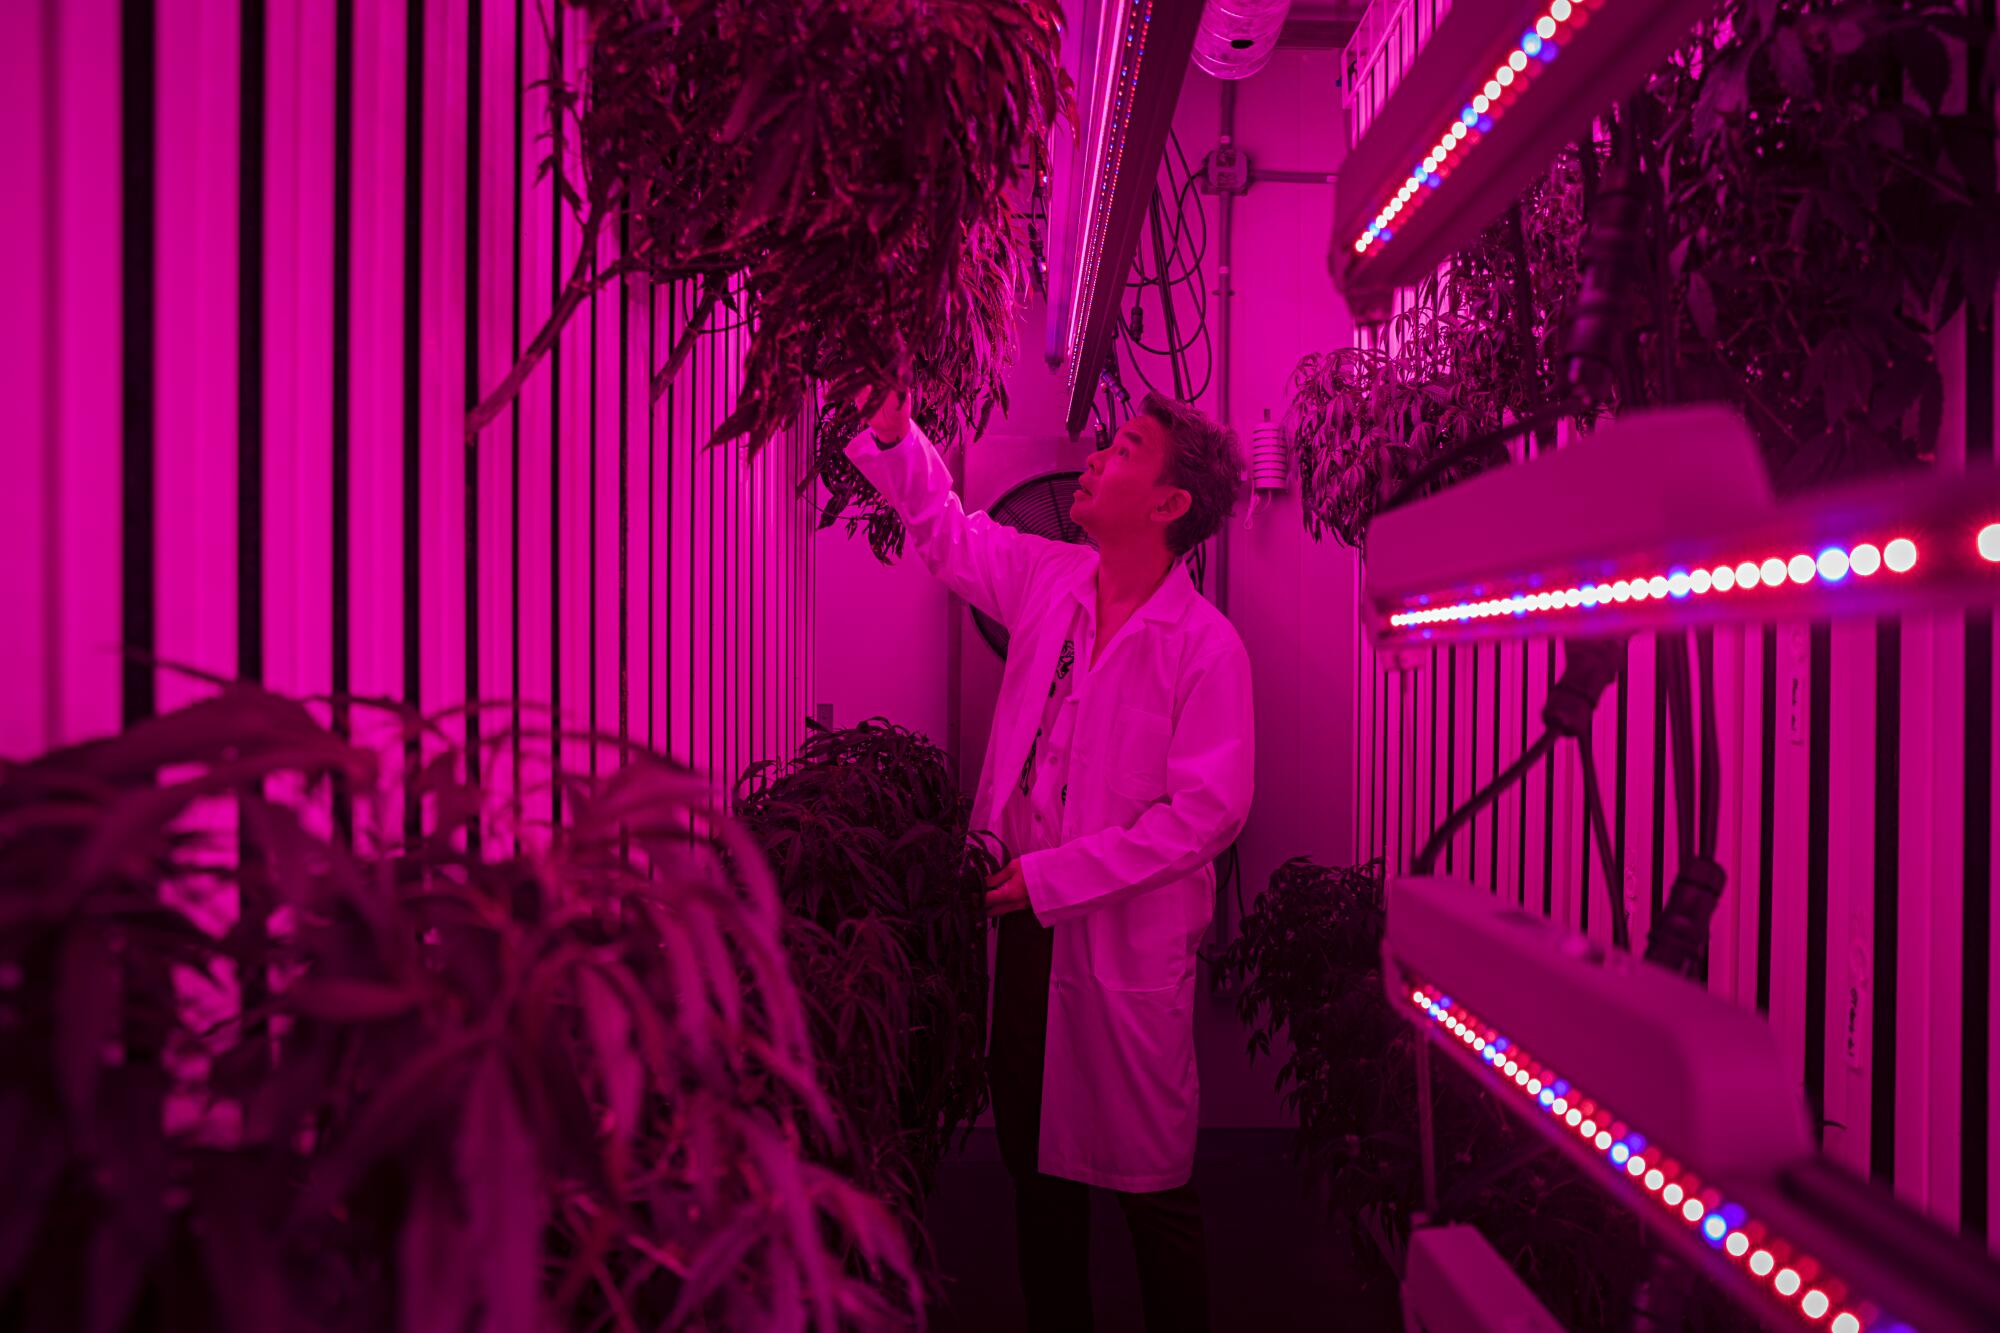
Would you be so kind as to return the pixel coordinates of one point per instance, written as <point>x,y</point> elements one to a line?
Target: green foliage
<point>1823,205</point>
<point>1829,206</point>
<point>570,1083</point>
<point>1307,970</point>
<point>885,880</point>
<point>839,174</point>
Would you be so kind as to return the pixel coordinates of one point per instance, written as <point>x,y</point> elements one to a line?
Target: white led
<point>1546,28</point>
<point>1519,61</point>
<point>1491,92</point>
<point>1621,591</point>
<point>1482,103</point>
<point>1511,1068</point>
<point>1657,585</point>
<point>1846,1323</point>
<point>1814,1304</point>
<point>1521,1077</point>
<point>1572,1117</point>
<point>1723,578</point>
<point>1738,1244</point>
<point>1504,76</point>
<point>1700,581</point>
<point>1900,555</point>
<point>1560,1106</point>
<point>1636,1166</point>
<point>1534,1087</point>
<point>1672,1194</point>
<point>1747,575</point>
<point>1655,1179</point>
<point>1458,130</point>
<point>1761,1263</point>
<point>1603,1140</point>
<point>1559,11</point>
<point>1588,1128</point>
<point>1603,592</point>
<point>1773,571</point>
<point>1864,559</point>
<point>1692,1210</point>
<point>1801,568</point>
<point>1786,1281</point>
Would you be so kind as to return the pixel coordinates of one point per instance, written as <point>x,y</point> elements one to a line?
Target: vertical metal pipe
<point>1222,294</point>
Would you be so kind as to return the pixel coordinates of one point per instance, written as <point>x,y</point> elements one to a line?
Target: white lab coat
<point>1160,775</point>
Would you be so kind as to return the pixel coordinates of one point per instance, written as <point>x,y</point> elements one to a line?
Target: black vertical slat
<point>591,387</point>
<point>517,288</point>
<point>1888,860</point>
<point>1493,821</point>
<point>1549,800</point>
<point>1819,775</point>
<point>1975,1110</point>
<point>1450,742</point>
<point>1661,743</point>
<point>1584,742</point>
<point>1975,939</point>
<point>714,639</point>
<point>474,16</point>
<point>1618,798</point>
<point>652,510</point>
<point>413,264</point>
<point>250,345</point>
<point>339,483</point>
<point>1521,887</point>
<point>1472,781</point>
<point>138,169</point>
<point>1767,819</point>
<point>560,73</point>
<point>1382,748</point>
<point>624,497</point>
<point>1431,783</point>
<point>1409,844</point>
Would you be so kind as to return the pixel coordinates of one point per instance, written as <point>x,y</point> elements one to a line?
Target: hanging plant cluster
<point>1824,204</point>
<point>885,881</point>
<point>841,174</point>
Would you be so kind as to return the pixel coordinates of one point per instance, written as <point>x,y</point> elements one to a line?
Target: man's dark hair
<point>1205,460</point>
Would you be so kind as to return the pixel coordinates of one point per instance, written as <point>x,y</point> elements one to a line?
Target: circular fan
<point>1039,506</point>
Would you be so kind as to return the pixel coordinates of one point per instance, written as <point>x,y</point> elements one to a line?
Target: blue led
<point>1548,1095</point>
<point>1715,1228</point>
<point>1501,1043</point>
<point>1677,583</point>
<point>1636,1142</point>
<point>1619,1152</point>
<point>1444,1001</point>
<point>1547,53</point>
<point>1832,571</point>
<point>1561,1088</point>
<point>1485,124</point>
<point>1387,235</point>
<point>1531,43</point>
<point>1733,1214</point>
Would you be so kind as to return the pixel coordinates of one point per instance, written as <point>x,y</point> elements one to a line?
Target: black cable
<point>1680,720</point>
<point>1614,877</point>
<point>1484,797</point>
<point>1678,940</point>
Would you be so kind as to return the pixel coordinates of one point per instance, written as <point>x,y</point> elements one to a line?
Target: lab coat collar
<point>1167,604</point>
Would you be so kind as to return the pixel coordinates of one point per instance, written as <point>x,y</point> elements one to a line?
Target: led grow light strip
<point>1794,1278</point>
<point>1120,77</point>
<point>1831,566</point>
<point>1537,47</point>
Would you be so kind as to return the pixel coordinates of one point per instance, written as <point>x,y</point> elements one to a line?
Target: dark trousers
<point>1052,1215</point>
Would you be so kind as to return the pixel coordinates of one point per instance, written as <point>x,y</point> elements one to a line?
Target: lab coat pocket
<point>1138,754</point>
<point>1140,942</point>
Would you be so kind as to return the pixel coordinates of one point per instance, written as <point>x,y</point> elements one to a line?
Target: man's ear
<point>1177,503</point>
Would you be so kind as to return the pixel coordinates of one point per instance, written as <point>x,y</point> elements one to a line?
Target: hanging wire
<point>1178,219</point>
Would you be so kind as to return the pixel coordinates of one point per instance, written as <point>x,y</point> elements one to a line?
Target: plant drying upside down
<point>843,166</point>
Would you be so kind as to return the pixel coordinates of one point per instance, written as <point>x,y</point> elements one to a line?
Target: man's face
<point>1124,495</point>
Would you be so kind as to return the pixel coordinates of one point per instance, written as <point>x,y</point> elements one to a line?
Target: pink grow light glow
<point>1536,48</point>
<point>1783,1272</point>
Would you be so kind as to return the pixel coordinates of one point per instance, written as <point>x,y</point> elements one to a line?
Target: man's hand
<point>1009,891</point>
<point>891,421</point>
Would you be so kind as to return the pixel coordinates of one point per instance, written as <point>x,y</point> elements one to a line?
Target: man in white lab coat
<point>1119,768</point>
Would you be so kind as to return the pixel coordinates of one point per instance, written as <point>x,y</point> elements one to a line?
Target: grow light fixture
<point>1135,74</point>
<point>1665,519</point>
<point>1498,89</point>
<point>1681,1104</point>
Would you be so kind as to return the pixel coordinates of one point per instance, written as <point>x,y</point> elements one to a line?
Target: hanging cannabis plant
<point>842,171</point>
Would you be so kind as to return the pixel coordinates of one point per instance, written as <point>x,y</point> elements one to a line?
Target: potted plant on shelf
<point>1823,206</point>
<point>841,176</point>
<point>565,1084</point>
<point>870,839</point>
